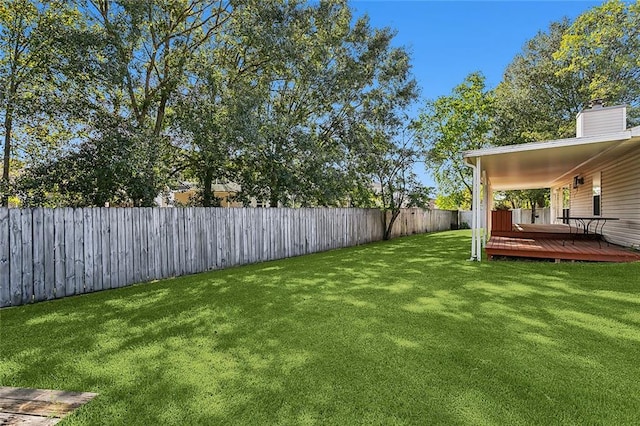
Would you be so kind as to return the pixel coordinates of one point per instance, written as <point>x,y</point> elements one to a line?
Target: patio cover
<point>537,165</point>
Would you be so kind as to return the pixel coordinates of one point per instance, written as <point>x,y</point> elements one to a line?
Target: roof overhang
<point>550,163</point>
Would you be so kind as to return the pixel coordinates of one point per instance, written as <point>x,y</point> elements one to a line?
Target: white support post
<point>485,207</point>
<point>478,208</point>
<point>474,217</point>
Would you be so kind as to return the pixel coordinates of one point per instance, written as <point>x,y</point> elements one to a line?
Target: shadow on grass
<point>405,331</point>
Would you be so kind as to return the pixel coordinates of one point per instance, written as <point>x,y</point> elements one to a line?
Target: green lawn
<point>400,332</point>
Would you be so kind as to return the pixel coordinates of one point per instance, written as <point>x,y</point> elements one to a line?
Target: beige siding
<point>581,198</point>
<point>601,121</point>
<point>620,198</point>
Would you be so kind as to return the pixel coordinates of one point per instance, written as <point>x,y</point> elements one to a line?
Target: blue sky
<point>450,39</point>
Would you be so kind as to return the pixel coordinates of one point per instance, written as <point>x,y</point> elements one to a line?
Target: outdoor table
<point>585,223</point>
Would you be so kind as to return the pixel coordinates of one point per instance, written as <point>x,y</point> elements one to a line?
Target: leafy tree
<point>453,124</point>
<point>602,47</point>
<point>292,148</point>
<point>105,168</point>
<point>387,144</point>
<point>325,78</point>
<point>38,43</point>
<point>533,103</point>
<point>148,45</point>
<point>391,160</point>
<point>455,201</point>
<point>207,88</point>
<point>528,198</point>
<point>228,84</point>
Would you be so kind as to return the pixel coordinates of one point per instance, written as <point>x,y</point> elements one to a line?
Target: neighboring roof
<point>549,163</point>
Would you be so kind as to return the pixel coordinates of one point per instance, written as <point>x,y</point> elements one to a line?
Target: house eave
<point>549,163</point>
<point>557,143</point>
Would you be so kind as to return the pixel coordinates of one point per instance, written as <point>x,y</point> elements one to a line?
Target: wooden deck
<point>533,230</point>
<point>558,249</point>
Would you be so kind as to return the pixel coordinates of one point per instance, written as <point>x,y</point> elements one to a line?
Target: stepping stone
<point>30,407</point>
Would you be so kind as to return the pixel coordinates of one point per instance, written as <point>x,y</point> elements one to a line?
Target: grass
<point>400,332</point>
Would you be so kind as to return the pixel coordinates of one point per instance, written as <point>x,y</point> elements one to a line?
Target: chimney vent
<point>600,120</point>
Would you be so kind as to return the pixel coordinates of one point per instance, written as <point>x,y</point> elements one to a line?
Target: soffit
<point>547,164</point>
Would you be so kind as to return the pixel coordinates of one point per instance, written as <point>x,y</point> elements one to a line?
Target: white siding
<point>620,198</point>
<point>601,121</point>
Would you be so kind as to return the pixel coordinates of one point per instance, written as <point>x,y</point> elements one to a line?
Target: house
<point>595,175</point>
<point>183,195</point>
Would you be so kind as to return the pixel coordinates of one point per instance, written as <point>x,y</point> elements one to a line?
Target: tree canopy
<point>276,96</point>
<point>298,102</point>
<point>601,47</point>
<point>555,76</point>
<point>452,124</point>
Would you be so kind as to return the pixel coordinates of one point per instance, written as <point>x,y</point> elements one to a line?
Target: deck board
<point>534,230</point>
<point>544,248</point>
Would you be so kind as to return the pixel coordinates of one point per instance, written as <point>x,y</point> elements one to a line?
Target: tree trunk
<point>274,190</point>
<point>533,212</point>
<point>389,227</point>
<point>273,198</point>
<point>207,184</point>
<point>8,124</point>
<point>157,128</point>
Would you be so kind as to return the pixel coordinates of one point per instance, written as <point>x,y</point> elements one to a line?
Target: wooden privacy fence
<point>543,216</point>
<point>420,221</point>
<point>52,253</point>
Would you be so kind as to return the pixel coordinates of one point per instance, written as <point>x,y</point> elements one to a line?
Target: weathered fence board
<point>26,220</point>
<point>37,250</point>
<point>112,255</point>
<point>5,291</point>
<point>78,223</point>
<point>122,248</point>
<point>49,255</point>
<point>52,253</point>
<point>15,256</point>
<point>144,245</point>
<point>87,246</point>
<point>69,254</point>
<point>96,229</point>
<point>129,246</point>
<point>59,253</point>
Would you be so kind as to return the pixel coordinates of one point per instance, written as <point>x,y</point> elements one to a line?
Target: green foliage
<point>455,201</point>
<point>559,71</point>
<point>384,144</point>
<point>267,94</point>
<point>117,166</point>
<point>38,49</point>
<point>533,102</point>
<point>420,196</point>
<point>395,184</point>
<point>292,100</point>
<point>315,125</point>
<point>453,124</point>
<point>527,199</point>
<point>602,47</point>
